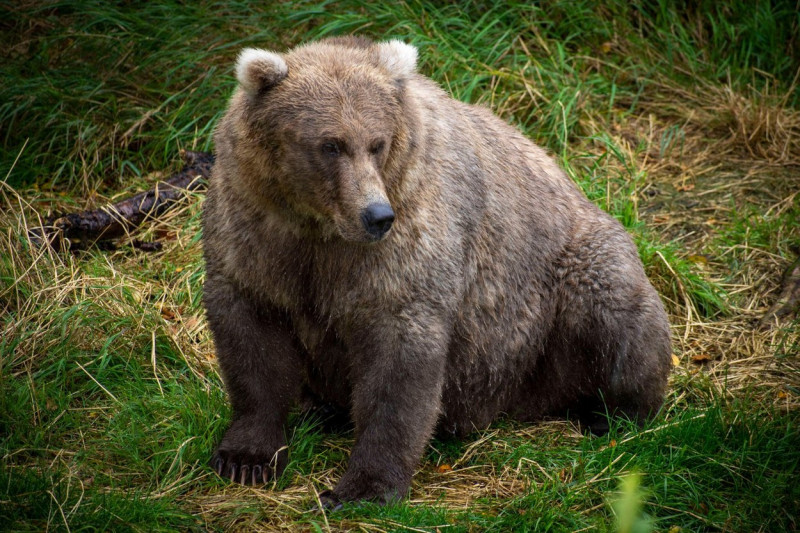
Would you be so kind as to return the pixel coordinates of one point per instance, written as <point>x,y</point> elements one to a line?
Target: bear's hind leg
<point>637,364</point>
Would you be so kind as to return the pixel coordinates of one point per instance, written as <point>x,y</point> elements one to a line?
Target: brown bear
<point>379,246</point>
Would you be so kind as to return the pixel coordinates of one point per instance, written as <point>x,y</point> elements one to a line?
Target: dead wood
<point>788,302</point>
<point>80,230</point>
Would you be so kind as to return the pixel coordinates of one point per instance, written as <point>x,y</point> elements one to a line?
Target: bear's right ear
<point>258,70</point>
<point>399,58</point>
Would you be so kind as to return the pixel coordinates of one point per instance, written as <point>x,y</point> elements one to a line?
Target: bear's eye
<point>330,149</point>
<point>377,147</point>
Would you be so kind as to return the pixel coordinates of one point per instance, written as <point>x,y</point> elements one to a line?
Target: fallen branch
<point>788,302</point>
<point>90,227</point>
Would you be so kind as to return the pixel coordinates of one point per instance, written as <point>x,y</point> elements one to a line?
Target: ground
<point>684,124</point>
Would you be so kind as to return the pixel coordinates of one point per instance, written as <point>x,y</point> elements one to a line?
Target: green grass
<point>680,119</point>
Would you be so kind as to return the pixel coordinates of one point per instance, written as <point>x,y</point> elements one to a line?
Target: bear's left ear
<point>397,57</point>
<point>259,69</point>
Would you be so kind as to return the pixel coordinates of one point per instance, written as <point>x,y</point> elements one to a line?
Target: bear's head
<point>323,132</point>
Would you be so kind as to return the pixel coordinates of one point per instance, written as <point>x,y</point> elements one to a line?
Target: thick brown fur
<point>499,289</point>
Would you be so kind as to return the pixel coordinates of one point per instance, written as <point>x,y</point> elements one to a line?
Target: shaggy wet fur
<point>498,289</point>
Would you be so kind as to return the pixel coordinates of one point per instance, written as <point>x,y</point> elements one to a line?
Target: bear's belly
<point>326,360</point>
<point>477,387</point>
<point>491,361</point>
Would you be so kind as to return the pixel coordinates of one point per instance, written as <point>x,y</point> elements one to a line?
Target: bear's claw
<point>329,502</point>
<point>245,470</point>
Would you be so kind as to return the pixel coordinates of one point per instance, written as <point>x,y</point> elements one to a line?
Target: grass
<point>681,119</point>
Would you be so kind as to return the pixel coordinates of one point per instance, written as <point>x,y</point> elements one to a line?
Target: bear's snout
<point>377,219</point>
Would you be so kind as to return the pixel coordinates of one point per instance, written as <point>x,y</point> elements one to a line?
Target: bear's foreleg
<point>261,368</point>
<point>397,381</point>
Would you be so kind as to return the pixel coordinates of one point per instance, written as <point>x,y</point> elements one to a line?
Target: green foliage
<point>99,92</point>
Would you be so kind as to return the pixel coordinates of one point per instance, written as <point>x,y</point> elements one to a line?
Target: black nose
<point>377,219</point>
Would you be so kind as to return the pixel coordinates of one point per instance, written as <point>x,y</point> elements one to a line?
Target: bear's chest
<point>268,263</point>
<point>329,286</point>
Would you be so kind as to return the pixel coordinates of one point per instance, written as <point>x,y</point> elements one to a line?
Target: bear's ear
<point>258,70</point>
<point>397,57</point>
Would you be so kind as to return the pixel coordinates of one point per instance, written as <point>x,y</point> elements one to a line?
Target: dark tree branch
<point>788,302</point>
<point>116,220</point>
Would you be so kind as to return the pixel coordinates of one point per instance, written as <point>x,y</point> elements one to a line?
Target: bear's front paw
<point>249,455</point>
<point>370,486</point>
